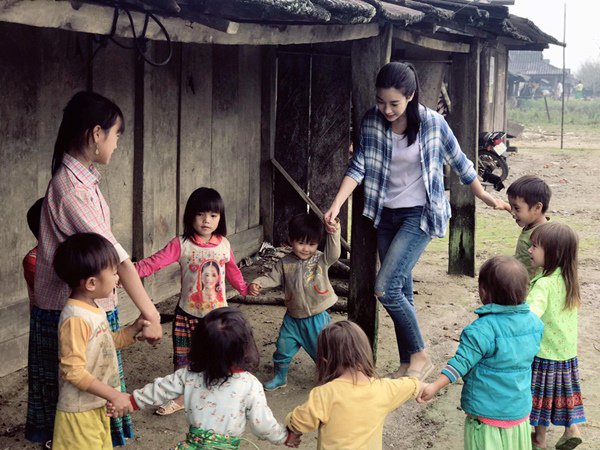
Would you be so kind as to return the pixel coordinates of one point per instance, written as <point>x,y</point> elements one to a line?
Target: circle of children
<point>518,359</point>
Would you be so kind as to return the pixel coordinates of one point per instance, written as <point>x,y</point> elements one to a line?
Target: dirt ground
<point>444,303</point>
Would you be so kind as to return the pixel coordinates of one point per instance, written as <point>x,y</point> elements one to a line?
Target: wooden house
<point>213,91</point>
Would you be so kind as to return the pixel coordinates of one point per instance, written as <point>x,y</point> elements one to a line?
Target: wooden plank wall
<point>291,138</point>
<point>312,138</point>
<point>191,132</point>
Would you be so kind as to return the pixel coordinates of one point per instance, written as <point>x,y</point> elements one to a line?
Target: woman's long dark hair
<point>403,76</point>
<point>202,200</point>
<point>221,344</point>
<point>83,112</point>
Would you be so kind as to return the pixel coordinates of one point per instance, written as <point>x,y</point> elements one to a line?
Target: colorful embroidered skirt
<point>556,393</point>
<point>184,325</point>
<point>199,439</point>
<point>120,428</point>
<point>42,371</point>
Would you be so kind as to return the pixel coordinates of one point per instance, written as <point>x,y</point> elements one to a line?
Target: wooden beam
<point>97,19</point>
<point>368,55</point>
<point>464,120</point>
<point>267,137</point>
<point>430,43</point>
<point>305,197</point>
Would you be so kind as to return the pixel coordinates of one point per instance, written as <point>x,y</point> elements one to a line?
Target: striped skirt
<point>556,393</point>
<point>43,378</point>
<point>184,325</point>
<point>42,370</point>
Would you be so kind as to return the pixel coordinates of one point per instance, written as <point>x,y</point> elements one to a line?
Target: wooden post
<point>464,121</point>
<point>292,137</point>
<point>368,55</point>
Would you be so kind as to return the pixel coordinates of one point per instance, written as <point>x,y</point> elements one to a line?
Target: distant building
<point>529,75</point>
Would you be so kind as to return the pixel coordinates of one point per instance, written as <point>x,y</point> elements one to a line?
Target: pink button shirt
<point>73,204</point>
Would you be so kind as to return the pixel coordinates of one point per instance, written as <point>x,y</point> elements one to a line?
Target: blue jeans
<point>299,333</point>
<point>400,243</point>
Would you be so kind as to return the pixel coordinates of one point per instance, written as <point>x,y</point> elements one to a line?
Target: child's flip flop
<point>568,443</point>
<point>168,408</point>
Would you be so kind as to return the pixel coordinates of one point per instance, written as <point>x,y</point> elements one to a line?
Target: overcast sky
<point>583,27</point>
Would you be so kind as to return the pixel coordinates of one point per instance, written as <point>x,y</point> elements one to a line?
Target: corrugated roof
<point>468,18</point>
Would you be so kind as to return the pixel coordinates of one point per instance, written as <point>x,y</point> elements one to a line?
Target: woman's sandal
<point>422,374</point>
<point>168,408</point>
<point>48,444</point>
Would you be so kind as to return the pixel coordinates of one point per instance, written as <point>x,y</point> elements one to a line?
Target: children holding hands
<point>351,402</point>
<point>220,395</point>
<point>308,291</point>
<point>494,359</point>
<point>89,370</point>
<point>206,260</point>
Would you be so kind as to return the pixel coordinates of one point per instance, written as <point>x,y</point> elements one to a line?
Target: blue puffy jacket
<point>494,359</point>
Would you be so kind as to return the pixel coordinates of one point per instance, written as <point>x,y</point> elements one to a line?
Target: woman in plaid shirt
<point>403,147</point>
<point>88,134</point>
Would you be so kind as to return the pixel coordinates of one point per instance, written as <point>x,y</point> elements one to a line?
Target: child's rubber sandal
<point>168,408</point>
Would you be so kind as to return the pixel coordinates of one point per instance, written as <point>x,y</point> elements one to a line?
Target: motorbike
<point>492,164</point>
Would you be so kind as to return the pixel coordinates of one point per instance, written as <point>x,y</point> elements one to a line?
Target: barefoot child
<point>220,394</point>
<point>554,297</point>
<point>206,259</point>
<point>308,291</point>
<point>494,359</point>
<point>529,198</point>
<point>89,370</point>
<point>350,404</point>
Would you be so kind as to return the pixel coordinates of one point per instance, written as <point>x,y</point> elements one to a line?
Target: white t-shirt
<point>405,186</point>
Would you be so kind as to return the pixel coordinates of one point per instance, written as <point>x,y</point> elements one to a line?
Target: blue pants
<point>296,333</point>
<point>400,243</point>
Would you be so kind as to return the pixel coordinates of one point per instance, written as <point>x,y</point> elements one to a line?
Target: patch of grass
<point>577,112</point>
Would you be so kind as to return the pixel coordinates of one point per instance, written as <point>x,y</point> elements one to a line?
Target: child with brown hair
<point>494,360</point>
<point>351,402</point>
<point>554,296</point>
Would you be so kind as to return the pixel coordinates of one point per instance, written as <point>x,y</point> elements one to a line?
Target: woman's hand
<point>330,216</point>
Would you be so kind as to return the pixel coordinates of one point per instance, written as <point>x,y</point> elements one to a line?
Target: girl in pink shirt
<point>206,260</point>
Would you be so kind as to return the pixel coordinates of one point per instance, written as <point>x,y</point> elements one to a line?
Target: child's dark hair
<point>503,280</point>
<point>83,112</point>
<point>560,244</point>
<point>202,200</point>
<point>532,190</point>
<point>34,216</point>
<point>221,344</point>
<point>343,346</point>
<point>403,76</point>
<point>307,227</point>
<point>83,255</point>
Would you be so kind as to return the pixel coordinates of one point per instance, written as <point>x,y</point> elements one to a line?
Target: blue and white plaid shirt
<point>371,165</point>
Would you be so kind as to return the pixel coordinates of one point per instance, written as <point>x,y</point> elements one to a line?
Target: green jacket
<point>547,297</point>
